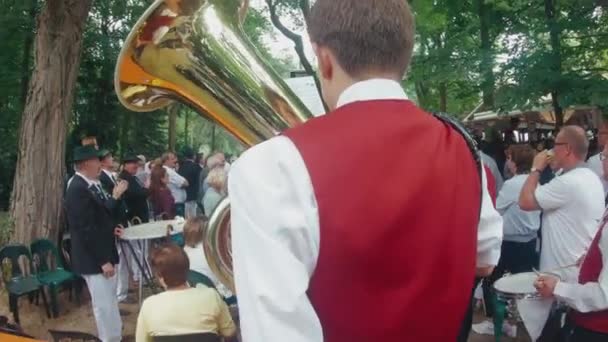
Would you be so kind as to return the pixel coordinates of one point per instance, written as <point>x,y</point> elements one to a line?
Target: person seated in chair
<point>193,238</point>
<point>180,310</point>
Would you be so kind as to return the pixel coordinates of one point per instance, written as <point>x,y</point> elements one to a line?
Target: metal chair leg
<point>46,304</point>
<point>54,306</point>
<point>14,307</point>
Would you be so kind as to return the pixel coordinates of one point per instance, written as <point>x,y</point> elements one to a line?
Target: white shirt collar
<point>108,173</point>
<point>89,181</point>
<point>374,89</point>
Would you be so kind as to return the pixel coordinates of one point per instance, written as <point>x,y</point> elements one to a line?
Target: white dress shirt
<point>176,185</point>
<point>275,233</point>
<point>110,174</point>
<point>591,296</point>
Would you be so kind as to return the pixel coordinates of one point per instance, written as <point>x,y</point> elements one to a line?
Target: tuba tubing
<point>195,52</point>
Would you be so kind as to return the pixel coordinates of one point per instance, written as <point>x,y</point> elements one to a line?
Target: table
<point>143,233</point>
<point>12,338</point>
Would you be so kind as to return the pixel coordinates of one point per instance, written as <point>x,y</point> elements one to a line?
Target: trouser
<point>515,257</point>
<point>180,209</point>
<point>467,322</point>
<point>105,306</point>
<point>191,207</point>
<point>127,260</point>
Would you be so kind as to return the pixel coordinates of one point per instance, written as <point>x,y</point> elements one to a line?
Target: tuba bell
<point>195,52</point>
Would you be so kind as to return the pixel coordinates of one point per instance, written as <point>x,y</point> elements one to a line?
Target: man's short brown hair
<point>171,263</point>
<point>365,35</point>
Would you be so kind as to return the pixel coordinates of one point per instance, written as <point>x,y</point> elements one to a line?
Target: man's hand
<point>545,285</point>
<point>484,271</point>
<point>108,270</point>
<point>120,189</point>
<point>541,161</point>
<point>119,231</point>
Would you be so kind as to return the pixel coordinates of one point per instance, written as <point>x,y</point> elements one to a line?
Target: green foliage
<point>97,109</point>
<point>446,59</point>
<point>574,66</point>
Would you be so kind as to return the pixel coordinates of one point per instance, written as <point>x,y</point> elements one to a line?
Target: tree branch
<point>298,44</point>
<point>305,7</point>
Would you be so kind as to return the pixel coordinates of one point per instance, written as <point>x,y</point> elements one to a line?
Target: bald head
<point>577,139</point>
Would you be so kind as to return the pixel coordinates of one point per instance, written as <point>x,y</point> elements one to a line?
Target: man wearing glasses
<point>572,203</point>
<point>588,321</point>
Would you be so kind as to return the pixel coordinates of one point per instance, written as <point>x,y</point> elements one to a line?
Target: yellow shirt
<point>179,312</point>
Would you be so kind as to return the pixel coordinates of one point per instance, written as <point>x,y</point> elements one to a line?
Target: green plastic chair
<point>199,278</point>
<point>45,255</point>
<point>19,282</point>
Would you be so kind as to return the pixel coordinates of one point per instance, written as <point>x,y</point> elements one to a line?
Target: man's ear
<point>325,62</point>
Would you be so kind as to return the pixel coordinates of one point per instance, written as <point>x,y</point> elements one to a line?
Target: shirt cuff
<point>488,258</point>
<point>563,290</point>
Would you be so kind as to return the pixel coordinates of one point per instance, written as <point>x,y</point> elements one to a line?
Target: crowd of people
<point>326,250</point>
<point>552,203</point>
<point>102,194</point>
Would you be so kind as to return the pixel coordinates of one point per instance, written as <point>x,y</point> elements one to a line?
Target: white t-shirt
<point>595,164</point>
<point>572,204</point>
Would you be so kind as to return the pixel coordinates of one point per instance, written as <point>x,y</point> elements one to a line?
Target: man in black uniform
<point>136,199</point>
<point>93,233</point>
<point>192,172</point>
<point>109,182</point>
<point>136,196</point>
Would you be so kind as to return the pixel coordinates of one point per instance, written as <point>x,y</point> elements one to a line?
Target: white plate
<point>521,283</point>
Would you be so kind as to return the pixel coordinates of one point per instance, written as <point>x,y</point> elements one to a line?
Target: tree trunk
<point>27,51</point>
<point>556,59</point>
<point>187,128</point>
<point>487,59</point>
<point>173,109</point>
<point>36,203</point>
<point>443,97</point>
<point>213,129</point>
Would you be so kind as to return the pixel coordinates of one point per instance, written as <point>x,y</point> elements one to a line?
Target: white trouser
<point>105,307</point>
<point>191,208</point>
<point>126,261</point>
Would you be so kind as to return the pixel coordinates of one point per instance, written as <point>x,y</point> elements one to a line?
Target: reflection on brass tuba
<point>195,52</point>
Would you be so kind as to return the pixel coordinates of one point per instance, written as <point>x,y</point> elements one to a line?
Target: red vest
<point>398,195</point>
<point>590,272</point>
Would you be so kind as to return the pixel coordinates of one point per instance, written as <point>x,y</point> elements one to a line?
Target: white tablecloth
<point>153,230</point>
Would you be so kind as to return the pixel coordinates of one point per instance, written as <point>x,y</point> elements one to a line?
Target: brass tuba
<point>195,52</point>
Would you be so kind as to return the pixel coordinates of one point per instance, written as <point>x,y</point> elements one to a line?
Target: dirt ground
<point>75,317</point>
